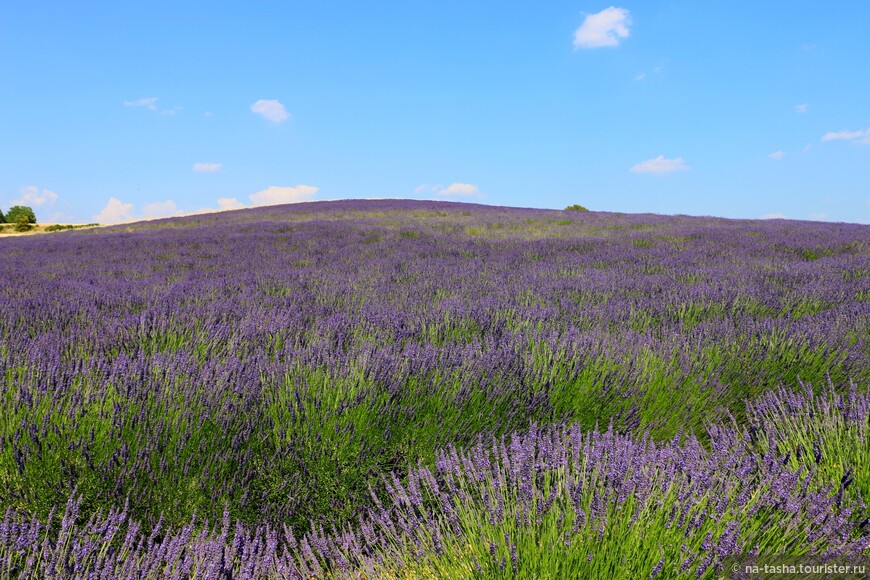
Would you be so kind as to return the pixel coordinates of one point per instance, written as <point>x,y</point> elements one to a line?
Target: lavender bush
<point>545,503</point>
<point>269,368</point>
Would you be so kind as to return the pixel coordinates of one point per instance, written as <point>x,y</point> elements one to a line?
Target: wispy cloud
<point>115,212</point>
<point>862,136</point>
<point>273,195</point>
<point>160,209</point>
<point>774,216</point>
<point>660,165</point>
<point>33,196</point>
<point>605,28</point>
<point>657,70</point>
<point>149,103</point>
<point>426,188</point>
<point>225,203</point>
<point>777,155</point>
<point>802,108</point>
<point>207,167</point>
<point>819,217</point>
<point>60,217</point>
<point>271,110</point>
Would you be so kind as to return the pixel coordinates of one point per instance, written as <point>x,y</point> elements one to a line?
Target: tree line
<point>22,216</point>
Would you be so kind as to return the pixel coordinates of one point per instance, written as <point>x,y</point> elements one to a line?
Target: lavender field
<point>408,389</point>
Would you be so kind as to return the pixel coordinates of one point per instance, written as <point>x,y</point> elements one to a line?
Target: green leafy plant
<point>23,224</point>
<point>19,212</point>
<point>576,207</point>
<point>63,227</point>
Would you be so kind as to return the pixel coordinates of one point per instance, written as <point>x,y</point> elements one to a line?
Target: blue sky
<point>112,111</point>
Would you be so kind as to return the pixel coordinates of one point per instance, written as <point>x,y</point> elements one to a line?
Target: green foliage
<point>576,207</point>
<point>16,213</point>
<point>565,533</point>
<point>818,434</point>
<point>63,227</point>
<point>23,223</point>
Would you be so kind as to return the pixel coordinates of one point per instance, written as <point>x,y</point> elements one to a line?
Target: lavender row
<point>548,502</point>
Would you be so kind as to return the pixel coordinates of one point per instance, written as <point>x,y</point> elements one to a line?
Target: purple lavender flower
<point>191,370</point>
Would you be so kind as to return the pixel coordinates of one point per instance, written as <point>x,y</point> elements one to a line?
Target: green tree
<point>576,207</point>
<point>23,223</point>
<point>15,213</point>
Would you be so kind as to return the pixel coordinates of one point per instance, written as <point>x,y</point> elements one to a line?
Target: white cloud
<point>455,189</point>
<point>149,103</point>
<point>802,108</point>
<point>160,209</point>
<point>271,110</point>
<point>458,189</point>
<point>640,77</point>
<point>207,167</point>
<point>115,212</point>
<point>225,203</point>
<point>660,165</point>
<point>774,216</point>
<point>847,135</point>
<point>807,148</point>
<point>32,196</point>
<point>819,217</point>
<point>606,28</point>
<point>777,155</point>
<point>278,195</point>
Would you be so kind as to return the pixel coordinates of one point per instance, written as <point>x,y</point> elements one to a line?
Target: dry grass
<point>9,229</point>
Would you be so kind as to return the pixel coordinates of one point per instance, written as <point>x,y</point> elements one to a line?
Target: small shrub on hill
<point>63,227</point>
<point>576,207</point>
